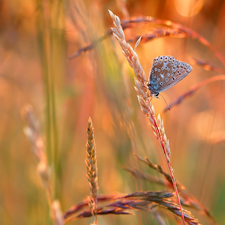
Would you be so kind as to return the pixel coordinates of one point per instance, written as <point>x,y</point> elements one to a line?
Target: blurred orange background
<point>36,40</point>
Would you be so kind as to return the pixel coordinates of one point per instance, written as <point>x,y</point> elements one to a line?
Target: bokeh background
<point>36,40</point>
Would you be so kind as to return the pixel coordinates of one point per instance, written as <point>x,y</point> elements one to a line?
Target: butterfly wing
<point>166,72</point>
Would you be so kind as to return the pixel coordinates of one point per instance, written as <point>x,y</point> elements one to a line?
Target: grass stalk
<point>143,97</point>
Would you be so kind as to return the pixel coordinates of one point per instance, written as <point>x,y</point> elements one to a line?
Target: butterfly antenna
<point>165,102</point>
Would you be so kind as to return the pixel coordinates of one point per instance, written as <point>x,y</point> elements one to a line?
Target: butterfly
<point>166,72</point>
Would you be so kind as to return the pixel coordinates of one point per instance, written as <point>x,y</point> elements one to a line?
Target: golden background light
<point>188,7</point>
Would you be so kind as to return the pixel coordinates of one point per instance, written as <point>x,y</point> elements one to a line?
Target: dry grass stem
<point>155,33</point>
<point>207,65</point>
<point>57,213</point>
<point>144,176</point>
<point>92,171</point>
<point>143,92</point>
<point>185,30</point>
<point>160,170</point>
<point>32,131</point>
<point>171,29</point>
<point>194,89</point>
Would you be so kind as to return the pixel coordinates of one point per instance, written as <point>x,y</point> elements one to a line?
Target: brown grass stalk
<point>207,65</point>
<point>194,89</point>
<point>143,96</point>
<point>189,32</point>
<point>92,171</point>
<point>176,30</point>
<point>159,169</point>
<point>155,33</point>
<point>146,177</point>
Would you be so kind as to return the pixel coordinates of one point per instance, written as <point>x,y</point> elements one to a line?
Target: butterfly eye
<point>162,68</point>
<point>173,61</point>
<point>167,79</point>
<point>161,83</point>
<point>165,59</point>
<point>160,58</point>
<point>173,78</point>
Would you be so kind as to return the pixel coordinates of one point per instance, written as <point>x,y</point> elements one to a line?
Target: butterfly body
<point>166,72</point>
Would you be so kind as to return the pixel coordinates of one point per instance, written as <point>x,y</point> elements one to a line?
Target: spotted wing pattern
<point>166,72</point>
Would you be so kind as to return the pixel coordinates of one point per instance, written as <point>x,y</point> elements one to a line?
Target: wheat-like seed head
<point>92,171</point>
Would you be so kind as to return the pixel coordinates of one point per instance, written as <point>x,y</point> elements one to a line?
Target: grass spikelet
<point>92,171</point>
<point>32,131</point>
